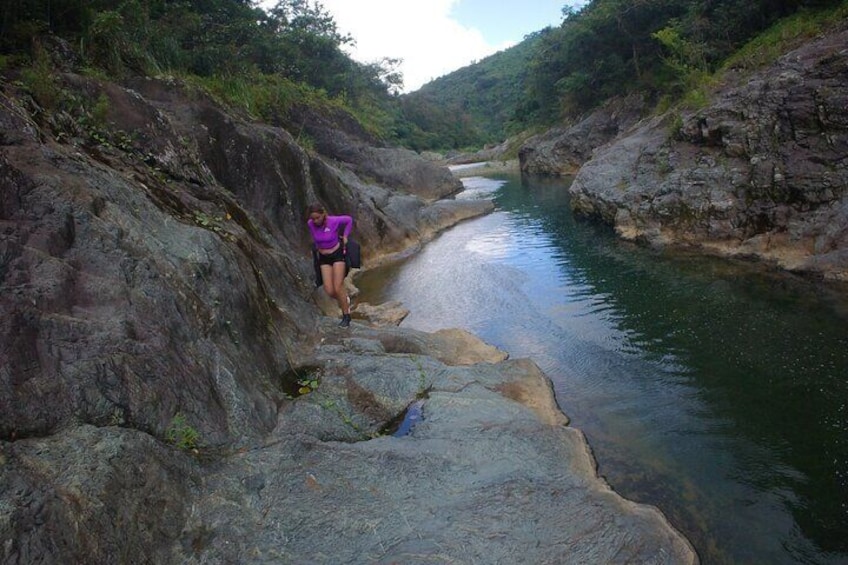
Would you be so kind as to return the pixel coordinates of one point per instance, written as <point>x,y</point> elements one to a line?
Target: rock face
<point>760,172</point>
<point>157,324</point>
<point>344,141</point>
<point>563,150</point>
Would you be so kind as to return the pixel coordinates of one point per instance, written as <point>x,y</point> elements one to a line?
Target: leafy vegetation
<point>307,385</point>
<point>182,435</point>
<point>300,381</point>
<point>267,61</point>
<point>666,49</point>
<point>472,106</point>
<point>790,32</point>
<point>261,61</point>
<point>659,47</point>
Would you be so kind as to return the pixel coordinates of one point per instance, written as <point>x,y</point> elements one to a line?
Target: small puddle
<point>402,425</point>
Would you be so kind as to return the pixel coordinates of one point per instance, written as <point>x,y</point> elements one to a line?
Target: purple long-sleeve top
<point>326,236</point>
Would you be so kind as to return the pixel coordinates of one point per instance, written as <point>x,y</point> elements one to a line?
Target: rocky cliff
<point>760,171</point>
<point>171,393</point>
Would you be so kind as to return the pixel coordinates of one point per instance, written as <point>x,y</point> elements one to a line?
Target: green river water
<point>715,390</point>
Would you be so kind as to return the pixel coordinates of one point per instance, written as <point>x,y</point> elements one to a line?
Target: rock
<point>458,347</point>
<point>449,346</point>
<point>158,285</point>
<point>338,138</point>
<point>760,172</point>
<point>489,153</point>
<point>482,477</point>
<point>93,495</point>
<point>482,168</point>
<point>563,150</point>
<point>390,313</point>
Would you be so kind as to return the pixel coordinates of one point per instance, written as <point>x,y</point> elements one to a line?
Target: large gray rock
<point>390,313</point>
<point>134,291</point>
<point>759,172</point>
<point>563,150</point>
<point>93,495</point>
<point>156,315</point>
<point>490,473</point>
<point>337,137</point>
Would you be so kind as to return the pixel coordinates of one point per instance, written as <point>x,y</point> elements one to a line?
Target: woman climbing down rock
<point>330,246</point>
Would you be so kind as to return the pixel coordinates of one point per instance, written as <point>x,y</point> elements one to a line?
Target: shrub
<point>181,435</point>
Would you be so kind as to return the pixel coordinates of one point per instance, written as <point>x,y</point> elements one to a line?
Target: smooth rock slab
<point>482,478</point>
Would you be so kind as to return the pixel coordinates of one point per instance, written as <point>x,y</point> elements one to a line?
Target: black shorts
<point>336,256</point>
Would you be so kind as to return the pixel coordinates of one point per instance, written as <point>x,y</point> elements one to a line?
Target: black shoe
<point>345,321</point>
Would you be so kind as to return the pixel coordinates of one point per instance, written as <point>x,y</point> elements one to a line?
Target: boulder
<point>760,172</point>
<point>390,313</point>
<point>337,137</point>
<point>563,150</point>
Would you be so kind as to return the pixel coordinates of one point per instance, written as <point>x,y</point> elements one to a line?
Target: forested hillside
<point>268,62</point>
<point>262,62</point>
<point>667,50</point>
<point>473,105</point>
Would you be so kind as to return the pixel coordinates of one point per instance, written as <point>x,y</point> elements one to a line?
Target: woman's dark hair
<point>313,208</point>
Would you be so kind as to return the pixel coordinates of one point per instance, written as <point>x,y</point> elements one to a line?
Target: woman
<point>331,254</point>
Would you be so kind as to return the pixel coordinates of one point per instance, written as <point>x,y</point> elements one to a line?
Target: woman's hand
<point>344,241</point>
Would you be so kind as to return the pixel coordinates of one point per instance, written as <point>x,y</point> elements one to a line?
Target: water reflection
<point>715,390</point>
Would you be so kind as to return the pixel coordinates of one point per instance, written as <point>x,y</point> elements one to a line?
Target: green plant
<point>117,418</point>
<point>213,223</point>
<point>39,80</point>
<point>664,166</point>
<point>696,98</point>
<point>784,35</point>
<point>100,110</point>
<point>98,137</point>
<point>307,384</point>
<point>332,406</point>
<point>181,435</point>
<point>203,219</point>
<point>675,126</point>
<point>105,40</point>
<point>124,141</point>
<point>423,389</point>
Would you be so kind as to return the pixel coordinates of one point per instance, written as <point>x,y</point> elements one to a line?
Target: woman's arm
<point>347,222</point>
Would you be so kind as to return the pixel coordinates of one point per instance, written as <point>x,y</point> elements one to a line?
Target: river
<point>715,390</point>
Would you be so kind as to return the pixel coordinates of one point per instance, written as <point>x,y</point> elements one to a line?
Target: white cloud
<point>421,33</point>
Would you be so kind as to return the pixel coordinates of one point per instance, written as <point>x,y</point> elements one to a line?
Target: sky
<point>436,37</point>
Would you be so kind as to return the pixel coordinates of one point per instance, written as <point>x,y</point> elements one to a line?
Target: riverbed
<point>716,390</point>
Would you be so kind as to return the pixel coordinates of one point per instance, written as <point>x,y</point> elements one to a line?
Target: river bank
<point>159,333</point>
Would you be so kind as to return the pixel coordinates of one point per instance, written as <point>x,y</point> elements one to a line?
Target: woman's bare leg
<point>338,284</point>
<point>328,281</point>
